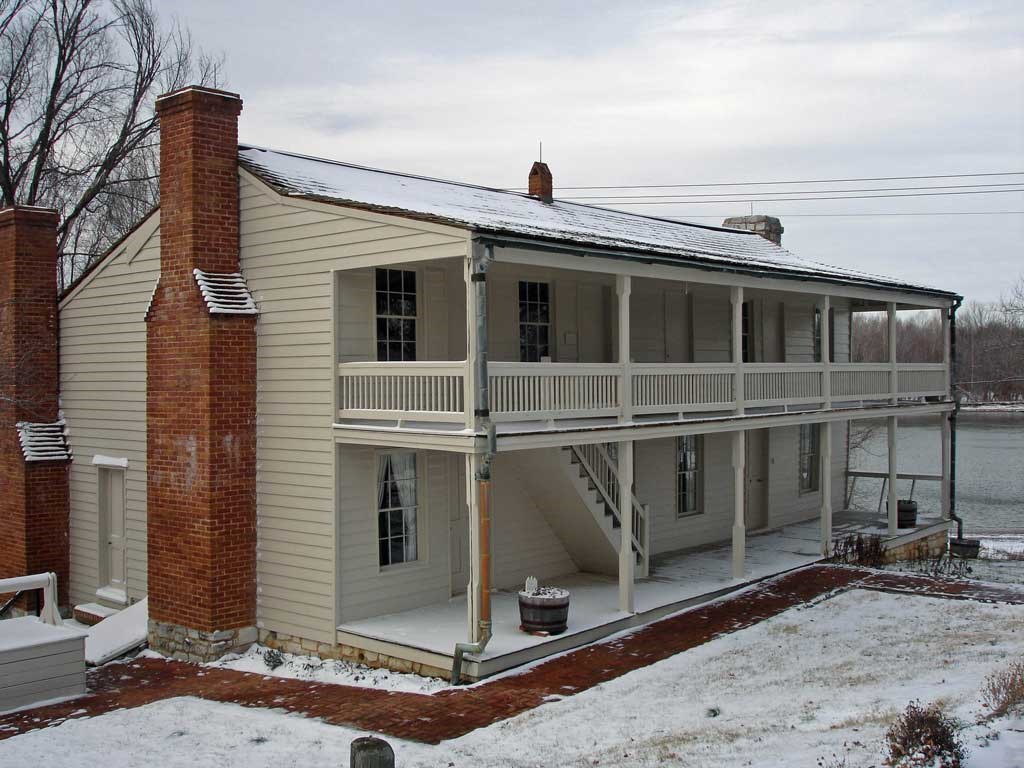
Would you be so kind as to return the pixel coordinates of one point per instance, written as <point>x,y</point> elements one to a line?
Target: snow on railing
<point>44,442</point>
<point>225,293</point>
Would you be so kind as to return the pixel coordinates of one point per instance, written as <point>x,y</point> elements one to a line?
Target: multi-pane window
<point>746,335</point>
<point>534,322</point>
<point>809,455</point>
<point>396,314</point>
<point>688,475</point>
<point>831,334</point>
<point>396,508</point>
<point>817,335</point>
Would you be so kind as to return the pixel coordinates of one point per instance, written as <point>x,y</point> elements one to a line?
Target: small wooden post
<point>371,752</point>
<point>739,530</point>
<point>626,557</point>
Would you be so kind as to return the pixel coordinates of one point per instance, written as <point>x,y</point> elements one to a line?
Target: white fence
<point>425,391</point>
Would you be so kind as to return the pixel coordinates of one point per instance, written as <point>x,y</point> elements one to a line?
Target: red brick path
<point>455,712</point>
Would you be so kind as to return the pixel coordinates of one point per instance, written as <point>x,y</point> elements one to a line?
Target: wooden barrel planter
<point>544,611</point>
<point>966,548</point>
<point>906,513</point>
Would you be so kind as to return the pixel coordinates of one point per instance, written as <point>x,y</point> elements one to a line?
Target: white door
<point>112,557</point>
<point>458,532</point>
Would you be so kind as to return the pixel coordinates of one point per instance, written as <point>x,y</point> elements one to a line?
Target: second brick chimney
<point>201,393</point>
<point>768,227</point>
<point>541,185</point>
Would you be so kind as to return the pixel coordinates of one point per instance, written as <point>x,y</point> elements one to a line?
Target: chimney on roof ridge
<point>540,182</point>
<point>768,227</point>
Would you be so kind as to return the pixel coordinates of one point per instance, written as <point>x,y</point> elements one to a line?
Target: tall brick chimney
<point>200,393</point>
<point>768,227</point>
<point>541,184</point>
<point>33,452</point>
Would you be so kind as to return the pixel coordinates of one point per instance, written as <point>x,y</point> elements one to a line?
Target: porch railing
<point>429,391</point>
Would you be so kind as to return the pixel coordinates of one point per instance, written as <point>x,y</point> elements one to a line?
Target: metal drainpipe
<point>483,255</point>
<point>952,420</point>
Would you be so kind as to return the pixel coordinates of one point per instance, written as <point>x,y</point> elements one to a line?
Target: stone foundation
<point>186,644</point>
<point>302,647</point>
<point>930,546</point>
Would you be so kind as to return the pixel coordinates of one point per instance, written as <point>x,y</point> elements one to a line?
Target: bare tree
<point>78,130</point>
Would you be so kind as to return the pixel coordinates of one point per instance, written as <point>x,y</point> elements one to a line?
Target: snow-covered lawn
<point>817,680</point>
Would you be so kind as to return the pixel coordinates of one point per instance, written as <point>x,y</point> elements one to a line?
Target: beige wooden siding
<point>656,486</point>
<point>288,252</point>
<point>786,503</point>
<point>103,396</point>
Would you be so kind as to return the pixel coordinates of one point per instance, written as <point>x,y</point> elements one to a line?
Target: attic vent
<point>149,304</point>
<point>44,442</point>
<point>225,294</point>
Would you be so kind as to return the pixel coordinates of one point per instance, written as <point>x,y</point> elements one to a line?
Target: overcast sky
<point>665,93</point>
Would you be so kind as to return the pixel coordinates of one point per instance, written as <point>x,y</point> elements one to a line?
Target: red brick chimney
<point>541,184</point>
<point>33,451</point>
<point>201,393</point>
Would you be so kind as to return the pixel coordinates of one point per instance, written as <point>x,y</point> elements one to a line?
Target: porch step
<point>91,614</point>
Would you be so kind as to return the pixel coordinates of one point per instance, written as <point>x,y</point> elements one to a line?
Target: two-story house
<point>349,411</point>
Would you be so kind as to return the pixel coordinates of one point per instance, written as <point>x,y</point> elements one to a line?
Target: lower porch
<point>677,581</point>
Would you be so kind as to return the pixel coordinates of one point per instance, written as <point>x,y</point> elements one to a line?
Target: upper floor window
<point>809,458</point>
<point>746,332</point>
<point>688,470</point>
<point>396,314</point>
<point>817,335</point>
<point>396,508</point>
<point>534,322</point>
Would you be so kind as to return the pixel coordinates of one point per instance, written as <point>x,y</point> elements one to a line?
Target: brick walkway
<point>455,712</point>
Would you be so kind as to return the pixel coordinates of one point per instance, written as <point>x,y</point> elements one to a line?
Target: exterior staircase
<point>576,489</point>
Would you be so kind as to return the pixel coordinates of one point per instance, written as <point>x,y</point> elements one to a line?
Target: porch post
<point>894,376</point>
<point>739,529</point>
<point>469,386</point>
<point>473,594</point>
<point>627,560</point>
<point>736,296</point>
<point>893,518</point>
<point>825,449</point>
<point>947,435</point>
<point>826,351</point>
<point>623,287</point>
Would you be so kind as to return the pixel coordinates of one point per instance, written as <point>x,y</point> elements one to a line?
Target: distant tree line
<point>990,344</point>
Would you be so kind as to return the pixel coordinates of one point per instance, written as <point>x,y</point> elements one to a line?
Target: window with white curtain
<point>809,456</point>
<point>396,508</point>
<point>688,471</point>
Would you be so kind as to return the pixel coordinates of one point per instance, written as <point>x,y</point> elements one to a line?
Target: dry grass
<point>1003,692</point>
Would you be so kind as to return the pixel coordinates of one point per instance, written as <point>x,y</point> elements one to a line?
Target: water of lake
<point>990,468</point>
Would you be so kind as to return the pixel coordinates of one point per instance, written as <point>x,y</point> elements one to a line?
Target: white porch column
<point>627,560</point>
<point>623,287</point>
<point>893,518</point>
<point>947,352</point>
<point>736,297</point>
<point>947,435</point>
<point>894,376</point>
<point>473,595</point>
<point>739,528</point>
<point>826,351</point>
<point>825,472</point>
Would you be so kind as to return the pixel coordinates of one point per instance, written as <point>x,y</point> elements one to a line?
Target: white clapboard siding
<point>786,503</point>
<point>288,253</point>
<point>103,396</point>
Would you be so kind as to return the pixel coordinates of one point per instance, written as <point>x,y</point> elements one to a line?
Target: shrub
<point>273,658</point>
<point>924,736</point>
<point>1003,692</point>
<point>857,549</point>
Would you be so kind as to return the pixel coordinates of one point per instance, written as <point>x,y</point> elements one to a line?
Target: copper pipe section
<point>485,551</point>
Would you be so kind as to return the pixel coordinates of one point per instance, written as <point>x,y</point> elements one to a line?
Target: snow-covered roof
<point>44,442</point>
<point>512,213</point>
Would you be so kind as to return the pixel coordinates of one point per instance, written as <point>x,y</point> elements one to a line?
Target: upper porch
<point>582,341</point>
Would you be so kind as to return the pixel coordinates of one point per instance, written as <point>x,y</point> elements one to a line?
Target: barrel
<point>544,614</point>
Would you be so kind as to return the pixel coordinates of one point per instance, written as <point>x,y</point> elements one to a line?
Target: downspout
<point>952,419</point>
<point>483,256</point>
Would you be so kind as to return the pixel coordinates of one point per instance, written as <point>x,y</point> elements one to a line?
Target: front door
<point>757,479</point>
<point>112,549</point>
<point>458,532</point>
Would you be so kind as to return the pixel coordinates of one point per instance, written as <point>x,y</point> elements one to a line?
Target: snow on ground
<point>328,671</point>
<point>817,680</point>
